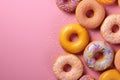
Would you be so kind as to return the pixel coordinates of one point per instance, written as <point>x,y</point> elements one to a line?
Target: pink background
<point>29,32</point>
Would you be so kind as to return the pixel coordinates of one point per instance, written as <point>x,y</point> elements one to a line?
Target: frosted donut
<point>110,75</point>
<point>87,77</point>
<point>67,5</point>
<point>106,29</point>
<point>107,2</point>
<point>79,44</point>
<point>98,47</point>
<point>86,6</point>
<point>76,67</point>
<point>117,60</point>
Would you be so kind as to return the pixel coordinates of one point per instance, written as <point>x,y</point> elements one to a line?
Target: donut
<point>106,2</point>
<point>72,60</point>
<point>79,44</point>
<point>96,11</point>
<point>98,47</point>
<point>67,5</point>
<point>119,2</point>
<point>117,60</point>
<point>107,26</point>
<point>110,75</point>
<point>87,77</point>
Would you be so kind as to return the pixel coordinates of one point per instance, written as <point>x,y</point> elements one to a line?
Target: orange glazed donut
<point>74,46</point>
<point>96,9</point>
<point>117,60</point>
<point>71,60</point>
<point>110,75</point>
<point>107,2</point>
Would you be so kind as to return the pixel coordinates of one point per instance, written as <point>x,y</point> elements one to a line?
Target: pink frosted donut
<point>117,60</point>
<point>107,29</point>
<point>98,47</point>
<point>72,60</point>
<point>67,5</point>
<point>87,77</point>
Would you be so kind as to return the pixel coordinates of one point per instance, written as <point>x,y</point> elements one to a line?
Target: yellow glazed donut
<point>117,60</point>
<point>68,59</point>
<point>107,2</point>
<point>110,75</point>
<point>79,44</point>
<point>90,6</point>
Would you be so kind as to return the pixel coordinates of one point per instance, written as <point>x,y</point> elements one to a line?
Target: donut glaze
<point>79,44</point>
<point>102,63</point>
<point>67,5</point>
<point>98,13</point>
<point>76,67</point>
<point>110,75</point>
<point>106,29</point>
<point>87,77</point>
<point>106,2</point>
<point>117,60</point>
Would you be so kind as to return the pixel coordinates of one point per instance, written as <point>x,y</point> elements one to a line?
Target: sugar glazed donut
<point>90,6</point>
<point>67,5</point>
<point>87,77</point>
<point>119,2</point>
<point>107,29</point>
<point>79,44</point>
<point>98,47</point>
<point>106,2</point>
<point>110,75</point>
<point>76,67</point>
<point>117,60</point>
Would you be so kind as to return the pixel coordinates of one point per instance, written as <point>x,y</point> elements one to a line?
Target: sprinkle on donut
<point>67,5</point>
<point>107,26</point>
<point>96,47</point>
<point>87,77</point>
<point>76,67</point>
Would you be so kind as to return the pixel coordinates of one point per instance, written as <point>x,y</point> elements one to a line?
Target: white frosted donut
<point>106,29</point>
<point>76,67</point>
<point>103,62</point>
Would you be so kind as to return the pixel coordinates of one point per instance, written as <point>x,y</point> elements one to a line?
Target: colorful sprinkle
<point>67,5</point>
<point>105,49</point>
<point>87,77</point>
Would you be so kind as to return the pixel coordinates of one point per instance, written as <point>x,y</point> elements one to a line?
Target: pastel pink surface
<point>29,33</point>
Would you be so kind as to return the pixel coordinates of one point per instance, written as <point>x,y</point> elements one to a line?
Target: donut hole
<point>67,67</point>
<point>90,13</point>
<point>115,28</point>
<point>98,56</point>
<point>73,37</point>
